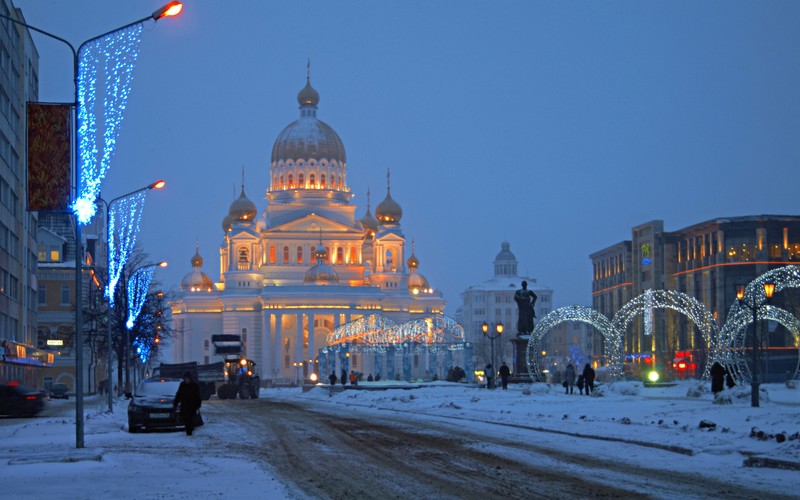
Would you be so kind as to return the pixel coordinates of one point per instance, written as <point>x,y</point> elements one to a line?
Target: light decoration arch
<point>685,304</point>
<point>613,339</point>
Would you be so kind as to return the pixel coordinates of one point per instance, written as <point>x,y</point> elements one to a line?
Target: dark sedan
<point>151,405</point>
<point>19,401</point>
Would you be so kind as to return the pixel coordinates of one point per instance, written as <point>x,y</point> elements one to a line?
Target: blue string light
<point>123,227</point>
<point>137,293</point>
<point>118,53</point>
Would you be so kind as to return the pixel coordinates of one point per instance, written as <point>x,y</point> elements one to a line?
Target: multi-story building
<point>305,267</point>
<point>19,66</point>
<point>706,261</point>
<point>492,302</point>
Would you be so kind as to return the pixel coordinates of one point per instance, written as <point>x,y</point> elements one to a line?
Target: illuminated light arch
<point>731,353</point>
<point>732,336</point>
<point>677,301</point>
<point>377,332</point>
<point>613,339</point>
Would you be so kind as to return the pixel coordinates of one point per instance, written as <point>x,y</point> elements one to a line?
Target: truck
<point>206,376</point>
<point>241,379</point>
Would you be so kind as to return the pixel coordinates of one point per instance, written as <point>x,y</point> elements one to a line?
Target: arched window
<point>243,255</point>
<point>299,255</point>
<point>285,255</point>
<point>272,254</point>
<point>281,184</point>
<point>322,181</point>
<point>352,259</point>
<point>339,255</point>
<point>300,180</point>
<point>291,182</point>
<point>390,260</point>
<point>312,181</point>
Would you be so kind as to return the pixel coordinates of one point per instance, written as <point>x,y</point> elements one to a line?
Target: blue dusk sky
<point>556,126</point>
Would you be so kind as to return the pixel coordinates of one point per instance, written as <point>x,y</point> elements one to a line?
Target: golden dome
<point>388,211</point>
<point>242,209</point>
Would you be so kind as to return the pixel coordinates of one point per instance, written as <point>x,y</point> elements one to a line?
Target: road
<point>323,453</point>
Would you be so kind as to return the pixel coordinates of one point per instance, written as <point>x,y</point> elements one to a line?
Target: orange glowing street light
<point>159,184</point>
<point>170,10</point>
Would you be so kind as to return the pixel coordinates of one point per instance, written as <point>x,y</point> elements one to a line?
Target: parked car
<point>59,391</point>
<point>19,401</point>
<point>151,407</point>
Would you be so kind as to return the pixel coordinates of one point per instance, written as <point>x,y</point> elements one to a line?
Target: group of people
<point>584,381</point>
<point>504,372</point>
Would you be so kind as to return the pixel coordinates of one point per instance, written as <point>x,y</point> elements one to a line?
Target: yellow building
<point>305,266</point>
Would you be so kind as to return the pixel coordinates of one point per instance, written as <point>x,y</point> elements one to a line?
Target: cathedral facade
<point>306,266</point>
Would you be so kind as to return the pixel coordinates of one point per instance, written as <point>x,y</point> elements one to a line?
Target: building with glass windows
<point>706,261</point>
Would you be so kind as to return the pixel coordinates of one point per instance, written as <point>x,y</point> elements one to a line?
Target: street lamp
<point>130,321</point>
<point>169,10</point>
<point>159,184</point>
<point>498,327</point>
<point>769,289</point>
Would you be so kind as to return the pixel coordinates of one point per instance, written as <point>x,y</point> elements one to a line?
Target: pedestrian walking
<point>588,378</point>
<point>332,380</point>
<point>580,383</point>
<point>353,378</point>
<point>489,371</point>
<point>189,399</point>
<point>505,372</point>
<point>343,378</point>
<point>569,379</point>
<point>717,378</point>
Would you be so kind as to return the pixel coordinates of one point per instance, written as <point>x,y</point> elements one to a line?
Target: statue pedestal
<point>519,374</point>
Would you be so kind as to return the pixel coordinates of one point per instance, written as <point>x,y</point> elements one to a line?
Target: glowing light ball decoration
<point>123,227</point>
<point>117,53</point>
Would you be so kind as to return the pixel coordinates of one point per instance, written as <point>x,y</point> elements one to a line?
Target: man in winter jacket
<point>189,399</point>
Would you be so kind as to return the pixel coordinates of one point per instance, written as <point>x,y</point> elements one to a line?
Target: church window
<point>281,184</point>
<point>322,181</point>
<point>328,251</point>
<point>353,257</point>
<point>291,182</point>
<point>300,181</point>
<point>299,255</point>
<point>272,254</point>
<point>243,255</point>
<point>311,181</point>
<point>313,251</point>
<point>390,260</point>
<point>285,255</point>
<point>339,255</point>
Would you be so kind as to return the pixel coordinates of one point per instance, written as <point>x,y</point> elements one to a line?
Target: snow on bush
<point>623,388</point>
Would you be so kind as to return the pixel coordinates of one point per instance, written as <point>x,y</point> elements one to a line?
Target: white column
<point>311,353</point>
<point>298,347</point>
<point>277,346</point>
<point>266,344</point>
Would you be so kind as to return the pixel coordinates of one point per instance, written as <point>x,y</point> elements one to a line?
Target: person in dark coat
<point>717,378</point>
<point>190,400</point>
<point>489,371</point>
<point>569,379</point>
<point>588,378</point>
<point>505,372</point>
<point>343,378</point>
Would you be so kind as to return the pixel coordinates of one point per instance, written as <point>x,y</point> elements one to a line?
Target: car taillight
<point>30,397</point>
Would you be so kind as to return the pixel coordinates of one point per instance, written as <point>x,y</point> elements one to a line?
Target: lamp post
<point>168,10</point>
<point>498,327</point>
<point>129,325</point>
<point>754,305</point>
<point>159,184</point>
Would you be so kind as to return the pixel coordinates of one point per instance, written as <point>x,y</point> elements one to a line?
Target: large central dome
<point>308,154</point>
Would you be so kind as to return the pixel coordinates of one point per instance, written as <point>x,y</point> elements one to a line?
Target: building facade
<point>705,261</point>
<point>303,267</point>
<point>492,302</point>
<point>19,67</point>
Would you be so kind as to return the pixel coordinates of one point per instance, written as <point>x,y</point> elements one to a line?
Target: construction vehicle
<point>206,376</point>
<point>241,379</point>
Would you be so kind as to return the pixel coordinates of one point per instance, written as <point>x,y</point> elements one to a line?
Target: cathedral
<point>305,267</point>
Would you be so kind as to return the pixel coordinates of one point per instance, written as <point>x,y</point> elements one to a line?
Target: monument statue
<point>525,300</point>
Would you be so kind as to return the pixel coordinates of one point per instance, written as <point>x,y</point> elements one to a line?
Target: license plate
<point>159,415</point>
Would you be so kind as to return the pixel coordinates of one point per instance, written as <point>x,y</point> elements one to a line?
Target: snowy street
<point>443,441</point>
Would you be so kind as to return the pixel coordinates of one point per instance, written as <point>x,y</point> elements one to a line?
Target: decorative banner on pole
<point>49,139</point>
